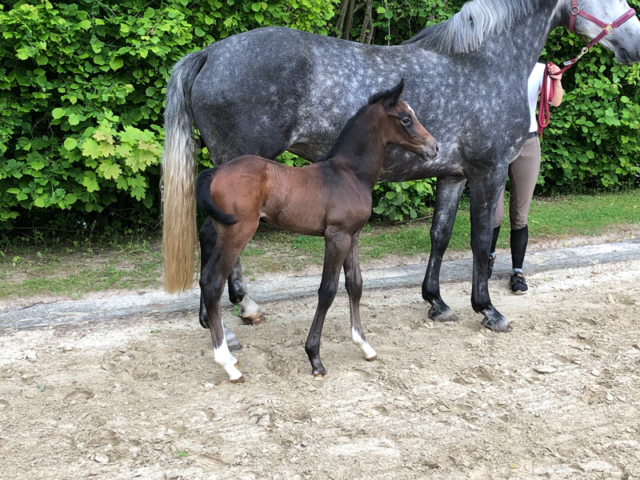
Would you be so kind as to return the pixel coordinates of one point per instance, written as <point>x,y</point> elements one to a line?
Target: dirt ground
<point>143,398</point>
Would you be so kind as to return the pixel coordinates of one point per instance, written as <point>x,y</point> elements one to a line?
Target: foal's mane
<point>345,133</point>
<point>468,29</point>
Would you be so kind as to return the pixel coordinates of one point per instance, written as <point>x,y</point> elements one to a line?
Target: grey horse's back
<point>248,93</point>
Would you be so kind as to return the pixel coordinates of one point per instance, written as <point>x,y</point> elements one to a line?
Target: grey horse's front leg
<point>448,192</point>
<point>484,194</point>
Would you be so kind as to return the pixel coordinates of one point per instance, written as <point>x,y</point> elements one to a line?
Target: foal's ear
<point>388,98</point>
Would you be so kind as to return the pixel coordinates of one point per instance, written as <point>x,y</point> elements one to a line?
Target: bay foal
<point>331,198</point>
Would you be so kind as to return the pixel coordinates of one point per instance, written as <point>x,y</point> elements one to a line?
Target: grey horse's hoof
<point>232,340</point>
<point>442,315</point>
<point>252,319</point>
<point>497,324</point>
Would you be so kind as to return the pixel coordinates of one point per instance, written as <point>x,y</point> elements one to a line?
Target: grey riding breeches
<point>523,173</point>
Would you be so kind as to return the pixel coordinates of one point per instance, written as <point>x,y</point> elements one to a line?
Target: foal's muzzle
<point>430,151</point>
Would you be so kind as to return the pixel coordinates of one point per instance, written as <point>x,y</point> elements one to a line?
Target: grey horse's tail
<point>179,166</point>
<point>203,197</point>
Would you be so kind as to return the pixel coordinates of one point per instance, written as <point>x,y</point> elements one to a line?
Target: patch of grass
<point>75,269</point>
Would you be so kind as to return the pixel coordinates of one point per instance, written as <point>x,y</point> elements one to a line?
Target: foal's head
<point>401,127</point>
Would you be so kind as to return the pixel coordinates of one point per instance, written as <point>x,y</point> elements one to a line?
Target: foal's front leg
<point>337,245</point>
<point>353,284</point>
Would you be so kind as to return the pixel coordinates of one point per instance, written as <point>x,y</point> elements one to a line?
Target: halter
<point>607,28</point>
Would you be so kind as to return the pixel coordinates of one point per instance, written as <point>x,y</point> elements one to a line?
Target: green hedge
<point>82,89</point>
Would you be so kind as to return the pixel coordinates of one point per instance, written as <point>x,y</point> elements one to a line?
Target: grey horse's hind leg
<point>207,236</point>
<point>249,310</point>
<point>448,192</point>
<point>484,193</point>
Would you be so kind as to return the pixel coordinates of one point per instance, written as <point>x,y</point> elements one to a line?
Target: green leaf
<point>259,17</point>
<point>90,148</point>
<point>89,181</point>
<point>116,63</point>
<point>58,113</point>
<point>199,32</point>
<point>22,53</point>
<point>110,170</point>
<point>74,119</point>
<point>70,143</point>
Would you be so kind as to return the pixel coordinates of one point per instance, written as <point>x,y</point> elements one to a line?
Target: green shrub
<point>81,98</point>
<point>82,89</point>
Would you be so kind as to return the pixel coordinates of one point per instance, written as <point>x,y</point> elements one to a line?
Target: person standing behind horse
<point>523,173</point>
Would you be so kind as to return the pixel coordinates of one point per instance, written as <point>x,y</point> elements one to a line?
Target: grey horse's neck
<point>510,32</point>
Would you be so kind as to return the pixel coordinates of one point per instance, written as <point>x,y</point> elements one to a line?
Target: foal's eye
<point>406,121</point>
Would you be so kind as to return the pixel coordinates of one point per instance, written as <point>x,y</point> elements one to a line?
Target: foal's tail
<point>203,197</point>
<point>179,165</point>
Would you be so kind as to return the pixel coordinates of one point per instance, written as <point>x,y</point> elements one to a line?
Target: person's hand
<point>555,72</point>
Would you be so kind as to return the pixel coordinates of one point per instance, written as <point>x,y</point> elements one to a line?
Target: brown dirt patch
<point>142,398</point>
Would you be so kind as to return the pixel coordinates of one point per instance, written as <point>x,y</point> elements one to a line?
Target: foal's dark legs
<point>353,284</point>
<point>485,192</point>
<point>208,236</point>
<point>448,192</point>
<point>212,280</point>
<point>336,247</point>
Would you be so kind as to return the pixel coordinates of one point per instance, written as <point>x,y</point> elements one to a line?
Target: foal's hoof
<point>238,380</point>
<point>442,315</point>
<point>499,325</point>
<point>318,372</point>
<point>252,319</point>
<point>372,359</point>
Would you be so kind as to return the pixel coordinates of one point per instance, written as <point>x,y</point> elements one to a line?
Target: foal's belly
<point>305,217</point>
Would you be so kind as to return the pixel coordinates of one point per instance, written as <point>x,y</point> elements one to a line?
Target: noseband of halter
<point>607,28</point>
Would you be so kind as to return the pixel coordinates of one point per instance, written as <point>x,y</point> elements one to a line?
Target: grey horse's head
<point>624,41</point>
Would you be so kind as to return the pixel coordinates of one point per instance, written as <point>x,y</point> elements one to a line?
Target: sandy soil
<point>142,397</point>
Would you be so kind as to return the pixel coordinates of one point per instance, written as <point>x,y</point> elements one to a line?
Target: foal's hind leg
<point>223,257</point>
<point>353,284</point>
<point>448,192</point>
<point>336,247</point>
<point>212,282</point>
<point>208,236</point>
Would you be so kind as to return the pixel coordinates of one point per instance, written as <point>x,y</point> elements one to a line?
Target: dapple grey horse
<point>275,89</point>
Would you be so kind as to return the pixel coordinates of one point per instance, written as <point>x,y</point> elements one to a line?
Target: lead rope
<point>547,93</point>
